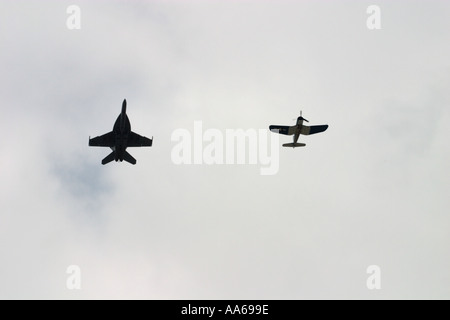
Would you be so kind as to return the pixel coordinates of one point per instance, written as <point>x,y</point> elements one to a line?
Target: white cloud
<point>370,190</point>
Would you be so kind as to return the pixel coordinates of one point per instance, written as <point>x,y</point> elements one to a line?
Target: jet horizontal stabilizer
<point>109,158</point>
<point>129,158</point>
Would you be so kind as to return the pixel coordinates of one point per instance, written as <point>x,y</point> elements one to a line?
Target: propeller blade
<point>302,117</point>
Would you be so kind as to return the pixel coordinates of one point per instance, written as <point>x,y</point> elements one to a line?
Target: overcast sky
<point>371,190</point>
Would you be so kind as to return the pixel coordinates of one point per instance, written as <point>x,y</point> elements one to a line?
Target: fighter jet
<point>120,138</point>
<point>297,130</point>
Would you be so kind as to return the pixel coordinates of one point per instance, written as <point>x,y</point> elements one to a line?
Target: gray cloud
<point>370,190</point>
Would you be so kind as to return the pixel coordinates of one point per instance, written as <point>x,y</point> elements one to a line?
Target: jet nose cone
<point>124,106</point>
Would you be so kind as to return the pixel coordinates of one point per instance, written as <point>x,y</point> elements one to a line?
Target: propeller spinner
<point>302,117</point>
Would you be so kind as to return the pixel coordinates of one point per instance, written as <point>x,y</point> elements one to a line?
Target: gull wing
<point>307,130</point>
<point>287,130</point>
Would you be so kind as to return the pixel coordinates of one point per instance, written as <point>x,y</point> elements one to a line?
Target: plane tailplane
<point>293,145</point>
<point>129,158</point>
<point>110,157</point>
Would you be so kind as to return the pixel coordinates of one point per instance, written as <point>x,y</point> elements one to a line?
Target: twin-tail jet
<point>120,139</point>
<point>297,130</point>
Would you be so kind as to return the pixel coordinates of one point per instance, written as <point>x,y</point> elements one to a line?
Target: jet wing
<point>135,140</point>
<point>106,140</point>
<point>287,130</point>
<point>306,130</point>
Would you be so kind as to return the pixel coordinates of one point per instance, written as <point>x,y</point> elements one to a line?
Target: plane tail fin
<point>110,157</point>
<point>129,158</point>
<point>293,145</point>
